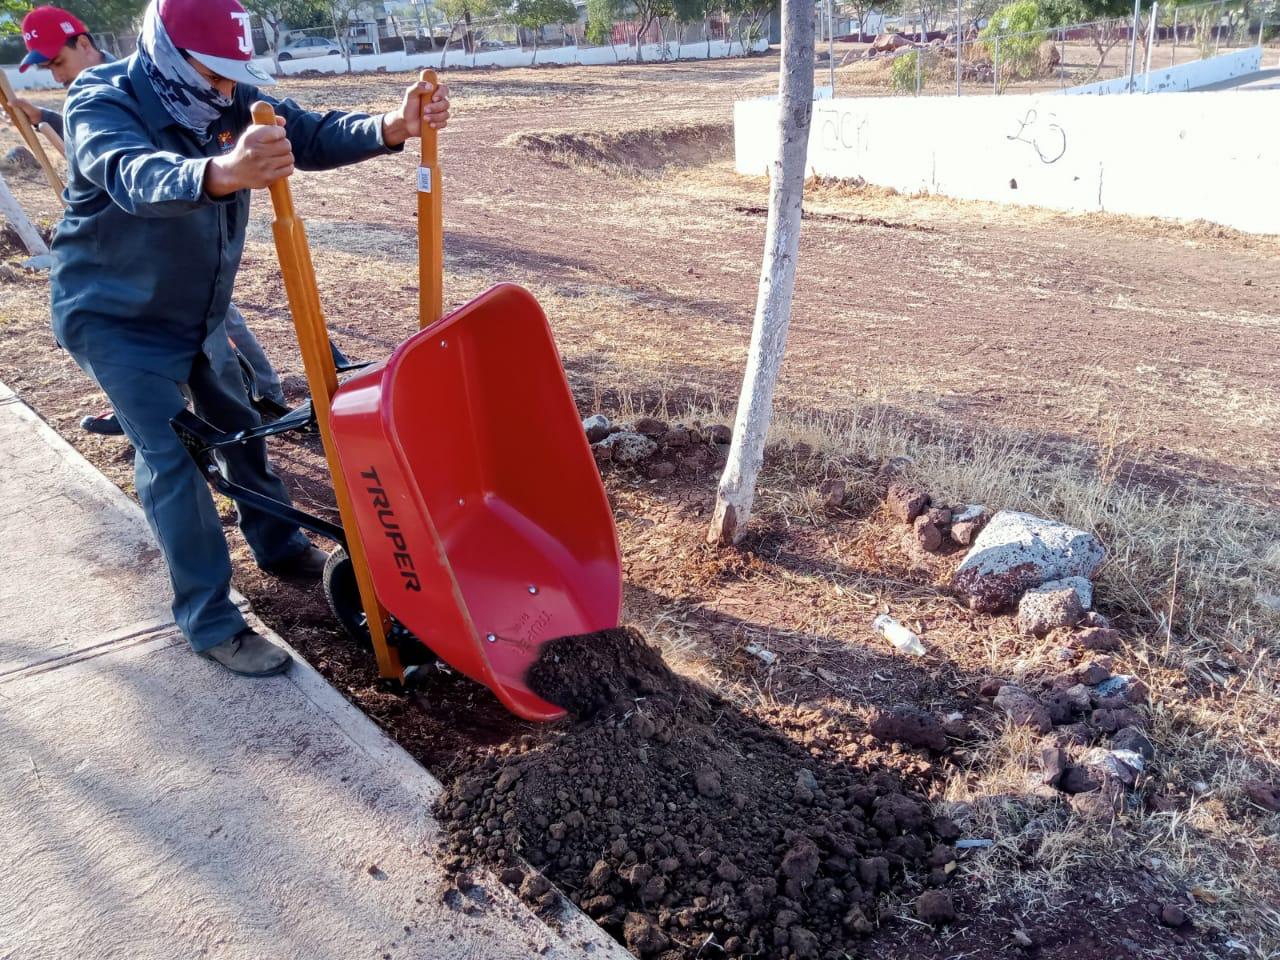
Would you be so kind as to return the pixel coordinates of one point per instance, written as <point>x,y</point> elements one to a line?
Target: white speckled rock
<point>1018,551</point>
<point>597,427</point>
<point>629,448</point>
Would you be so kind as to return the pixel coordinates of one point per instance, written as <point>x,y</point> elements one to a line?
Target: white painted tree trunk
<point>14,213</point>
<point>777,278</point>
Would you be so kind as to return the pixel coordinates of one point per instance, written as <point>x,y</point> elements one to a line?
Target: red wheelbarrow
<point>474,523</point>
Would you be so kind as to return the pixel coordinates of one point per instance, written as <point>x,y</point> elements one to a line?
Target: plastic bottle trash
<point>902,638</point>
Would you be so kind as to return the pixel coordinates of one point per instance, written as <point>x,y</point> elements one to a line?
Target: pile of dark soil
<point>687,827</point>
<point>636,152</point>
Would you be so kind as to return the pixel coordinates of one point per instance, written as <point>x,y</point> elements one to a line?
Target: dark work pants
<point>176,498</point>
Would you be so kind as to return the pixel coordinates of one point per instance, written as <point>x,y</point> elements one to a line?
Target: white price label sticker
<point>424,179</point>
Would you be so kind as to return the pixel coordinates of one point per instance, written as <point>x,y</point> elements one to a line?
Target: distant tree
<point>1012,37</point>
<point>751,16</point>
<point>862,10</point>
<point>340,13</point>
<point>277,14</point>
<point>533,15</point>
<point>601,16</point>
<point>646,13</point>
<point>106,16</point>
<point>691,11</point>
<point>460,13</point>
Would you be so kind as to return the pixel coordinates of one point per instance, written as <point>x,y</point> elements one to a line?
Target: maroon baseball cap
<point>46,30</point>
<point>215,32</point>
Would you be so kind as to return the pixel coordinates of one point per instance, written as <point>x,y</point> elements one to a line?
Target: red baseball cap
<point>46,30</point>
<point>215,32</point>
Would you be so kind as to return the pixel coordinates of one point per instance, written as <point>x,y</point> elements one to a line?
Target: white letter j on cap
<point>246,32</point>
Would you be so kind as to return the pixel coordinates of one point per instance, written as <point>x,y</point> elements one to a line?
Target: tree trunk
<point>346,46</point>
<point>275,43</point>
<point>737,488</point>
<point>22,225</point>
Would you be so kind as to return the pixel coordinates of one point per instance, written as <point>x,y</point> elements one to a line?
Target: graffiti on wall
<point>1046,137</point>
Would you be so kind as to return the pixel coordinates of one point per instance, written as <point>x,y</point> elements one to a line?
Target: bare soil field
<point>1118,373</point>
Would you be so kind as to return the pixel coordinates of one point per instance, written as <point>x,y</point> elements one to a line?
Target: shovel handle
<point>430,223</point>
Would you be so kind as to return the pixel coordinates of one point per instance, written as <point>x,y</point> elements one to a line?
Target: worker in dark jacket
<point>162,153</point>
<point>58,41</point>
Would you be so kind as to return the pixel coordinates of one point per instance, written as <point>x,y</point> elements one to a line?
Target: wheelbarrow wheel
<point>343,594</point>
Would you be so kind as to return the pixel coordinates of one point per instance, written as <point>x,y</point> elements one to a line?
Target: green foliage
<point>902,76</point>
<point>601,16</point>
<point>456,11</point>
<point>1017,30</point>
<point>536,14</point>
<point>692,11</point>
<point>100,16</point>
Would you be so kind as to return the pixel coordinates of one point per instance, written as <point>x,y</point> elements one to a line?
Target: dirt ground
<point>1143,349</point>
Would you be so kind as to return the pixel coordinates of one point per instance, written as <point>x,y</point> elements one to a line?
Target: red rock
<point>1054,761</point>
<point>1109,721</point>
<point>675,437</point>
<point>1023,709</point>
<point>990,687</point>
<point>1092,674</point>
<point>1079,780</point>
<point>906,501</point>
<point>651,427</point>
<point>928,537</point>
<point>1098,639</point>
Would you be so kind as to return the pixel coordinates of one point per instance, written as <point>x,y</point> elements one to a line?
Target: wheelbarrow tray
<point>476,495</point>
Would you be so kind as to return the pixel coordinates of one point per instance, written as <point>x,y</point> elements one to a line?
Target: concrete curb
<point>569,934</point>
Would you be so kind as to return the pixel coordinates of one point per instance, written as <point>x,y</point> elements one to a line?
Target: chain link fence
<point>994,59</point>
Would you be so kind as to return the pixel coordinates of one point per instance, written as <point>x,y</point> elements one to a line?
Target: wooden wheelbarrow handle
<point>430,224</point>
<point>19,118</point>
<point>322,379</point>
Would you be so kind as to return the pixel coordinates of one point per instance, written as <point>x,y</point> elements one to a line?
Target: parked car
<point>310,47</point>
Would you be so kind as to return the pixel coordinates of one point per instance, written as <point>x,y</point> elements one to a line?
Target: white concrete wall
<point>32,79</point>
<point>457,60</point>
<point>513,57</point>
<point>1182,78</point>
<point>1212,156</point>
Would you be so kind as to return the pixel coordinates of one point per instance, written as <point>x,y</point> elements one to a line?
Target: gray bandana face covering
<point>190,99</point>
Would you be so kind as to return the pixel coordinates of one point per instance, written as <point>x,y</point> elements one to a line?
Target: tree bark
<point>737,488</point>
<point>22,225</point>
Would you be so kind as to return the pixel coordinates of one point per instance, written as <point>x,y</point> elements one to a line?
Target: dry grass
<point>1183,577</point>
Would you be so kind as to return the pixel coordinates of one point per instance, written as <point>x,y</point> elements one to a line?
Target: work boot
<point>250,655</point>
<point>307,566</point>
<point>104,424</point>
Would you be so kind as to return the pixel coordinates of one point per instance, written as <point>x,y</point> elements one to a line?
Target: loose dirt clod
<point>670,815</point>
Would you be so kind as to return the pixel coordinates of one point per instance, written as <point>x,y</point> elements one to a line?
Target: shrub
<point>1020,27</point>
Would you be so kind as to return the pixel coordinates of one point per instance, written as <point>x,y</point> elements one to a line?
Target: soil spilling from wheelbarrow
<point>687,827</point>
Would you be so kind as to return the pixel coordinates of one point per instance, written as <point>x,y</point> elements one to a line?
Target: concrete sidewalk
<point>154,806</point>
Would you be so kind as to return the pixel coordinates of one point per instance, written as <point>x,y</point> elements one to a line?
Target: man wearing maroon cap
<point>162,153</point>
<point>58,41</point>
<point>42,30</point>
